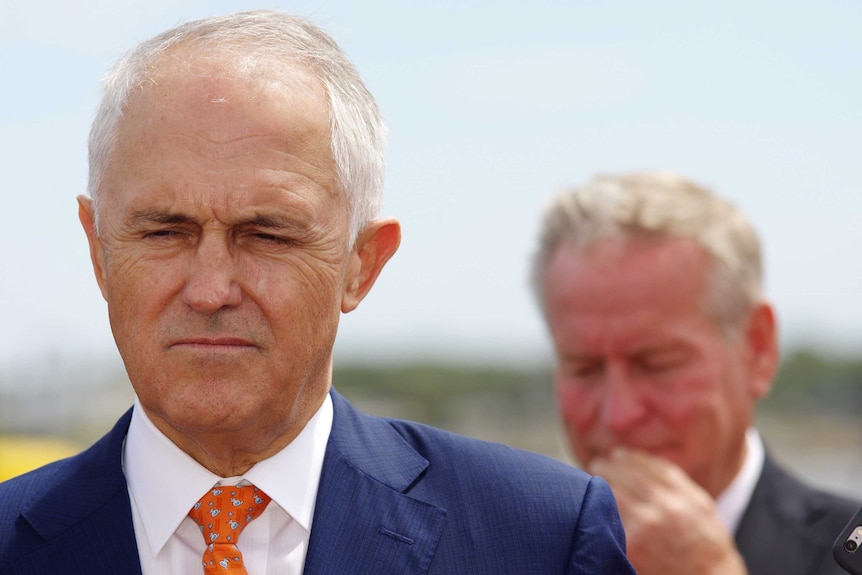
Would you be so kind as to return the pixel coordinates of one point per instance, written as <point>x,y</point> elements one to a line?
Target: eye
<point>662,361</point>
<point>271,238</point>
<point>162,234</point>
<point>578,371</point>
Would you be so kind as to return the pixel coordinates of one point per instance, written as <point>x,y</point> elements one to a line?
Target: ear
<point>373,248</point>
<point>97,254</point>
<point>761,339</point>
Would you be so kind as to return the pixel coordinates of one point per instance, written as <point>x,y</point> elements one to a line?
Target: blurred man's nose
<point>621,404</point>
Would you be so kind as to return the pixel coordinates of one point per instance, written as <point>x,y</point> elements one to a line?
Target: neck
<point>720,483</point>
<point>233,452</point>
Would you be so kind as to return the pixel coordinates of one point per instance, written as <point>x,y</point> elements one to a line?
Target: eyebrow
<point>154,216</point>
<point>274,222</point>
<point>269,221</point>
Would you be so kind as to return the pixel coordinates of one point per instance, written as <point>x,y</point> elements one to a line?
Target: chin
<point>205,404</point>
<point>227,420</point>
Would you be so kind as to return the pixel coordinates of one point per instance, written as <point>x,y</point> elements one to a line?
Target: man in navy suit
<point>236,169</point>
<point>651,288</point>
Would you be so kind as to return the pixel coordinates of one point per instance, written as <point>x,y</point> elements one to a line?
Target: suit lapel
<point>86,508</point>
<point>775,531</point>
<point>363,520</point>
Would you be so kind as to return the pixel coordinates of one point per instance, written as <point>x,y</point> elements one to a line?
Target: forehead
<point>189,89</point>
<point>626,286</point>
<point>202,133</point>
<point>654,266</point>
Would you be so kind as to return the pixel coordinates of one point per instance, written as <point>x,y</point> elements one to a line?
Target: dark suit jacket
<point>395,498</point>
<point>788,527</point>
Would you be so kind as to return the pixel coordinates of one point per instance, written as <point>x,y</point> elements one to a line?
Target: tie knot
<point>223,512</point>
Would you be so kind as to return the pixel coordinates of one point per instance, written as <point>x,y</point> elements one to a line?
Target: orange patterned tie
<point>222,514</point>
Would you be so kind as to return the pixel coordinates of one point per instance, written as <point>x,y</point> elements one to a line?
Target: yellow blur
<point>19,454</point>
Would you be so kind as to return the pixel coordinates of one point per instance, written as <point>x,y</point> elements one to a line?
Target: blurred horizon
<point>809,421</point>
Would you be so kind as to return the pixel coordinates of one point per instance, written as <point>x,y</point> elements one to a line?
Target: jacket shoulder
<point>546,511</point>
<point>452,452</point>
<point>18,491</point>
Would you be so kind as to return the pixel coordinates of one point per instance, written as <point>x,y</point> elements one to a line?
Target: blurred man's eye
<point>583,371</point>
<point>662,361</point>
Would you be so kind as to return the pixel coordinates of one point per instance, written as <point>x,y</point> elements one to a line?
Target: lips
<point>213,343</point>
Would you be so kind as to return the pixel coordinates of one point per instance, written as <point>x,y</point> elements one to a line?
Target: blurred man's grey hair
<point>660,205</point>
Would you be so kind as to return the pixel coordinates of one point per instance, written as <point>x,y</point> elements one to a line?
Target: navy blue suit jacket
<point>395,498</point>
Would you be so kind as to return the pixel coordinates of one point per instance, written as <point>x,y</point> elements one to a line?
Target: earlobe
<point>88,221</point>
<point>375,245</point>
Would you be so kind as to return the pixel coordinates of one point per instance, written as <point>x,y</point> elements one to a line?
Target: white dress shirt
<point>164,483</point>
<point>732,503</point>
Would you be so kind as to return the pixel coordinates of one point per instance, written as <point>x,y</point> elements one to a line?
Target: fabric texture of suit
<point>395,498</point>
<point>788,528</point>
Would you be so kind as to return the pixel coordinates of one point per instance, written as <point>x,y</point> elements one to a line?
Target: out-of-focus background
<point>492,106</point>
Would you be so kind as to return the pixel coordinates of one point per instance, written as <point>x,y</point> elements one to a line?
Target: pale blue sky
<point>492,107</point>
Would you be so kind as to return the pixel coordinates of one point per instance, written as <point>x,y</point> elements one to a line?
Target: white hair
<point>660,205</point>
<point>357,133</point>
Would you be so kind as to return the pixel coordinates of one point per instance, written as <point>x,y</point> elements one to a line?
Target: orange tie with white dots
<point>222,514</point>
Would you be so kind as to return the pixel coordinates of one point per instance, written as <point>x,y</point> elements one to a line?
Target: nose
<point>621,403</point>
<point>212,273</point>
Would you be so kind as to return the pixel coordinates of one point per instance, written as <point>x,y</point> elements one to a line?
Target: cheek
<point>300,274</point>
<point>687,399</point>
<point>298,305</point>
<point>579,414</point>
<point>136,292</point>
<point>294,292</point>
<point>578,406</point>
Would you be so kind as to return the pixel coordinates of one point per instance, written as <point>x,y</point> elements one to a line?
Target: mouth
<point>213,344</point>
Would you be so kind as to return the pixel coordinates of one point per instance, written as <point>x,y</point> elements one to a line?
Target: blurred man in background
<point>651,287</point>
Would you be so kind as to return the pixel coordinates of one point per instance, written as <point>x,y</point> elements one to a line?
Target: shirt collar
<point>165,482</point>
<point>731,504</point>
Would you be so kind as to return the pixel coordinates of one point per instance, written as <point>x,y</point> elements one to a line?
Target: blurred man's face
<point>641,364</point>
<point>223,252</point>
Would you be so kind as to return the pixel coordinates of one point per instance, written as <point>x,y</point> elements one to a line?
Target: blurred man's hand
<point>671,523</point>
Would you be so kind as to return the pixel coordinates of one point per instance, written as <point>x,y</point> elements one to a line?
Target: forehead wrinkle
<point>247,146</point>
<point>228,147</point>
